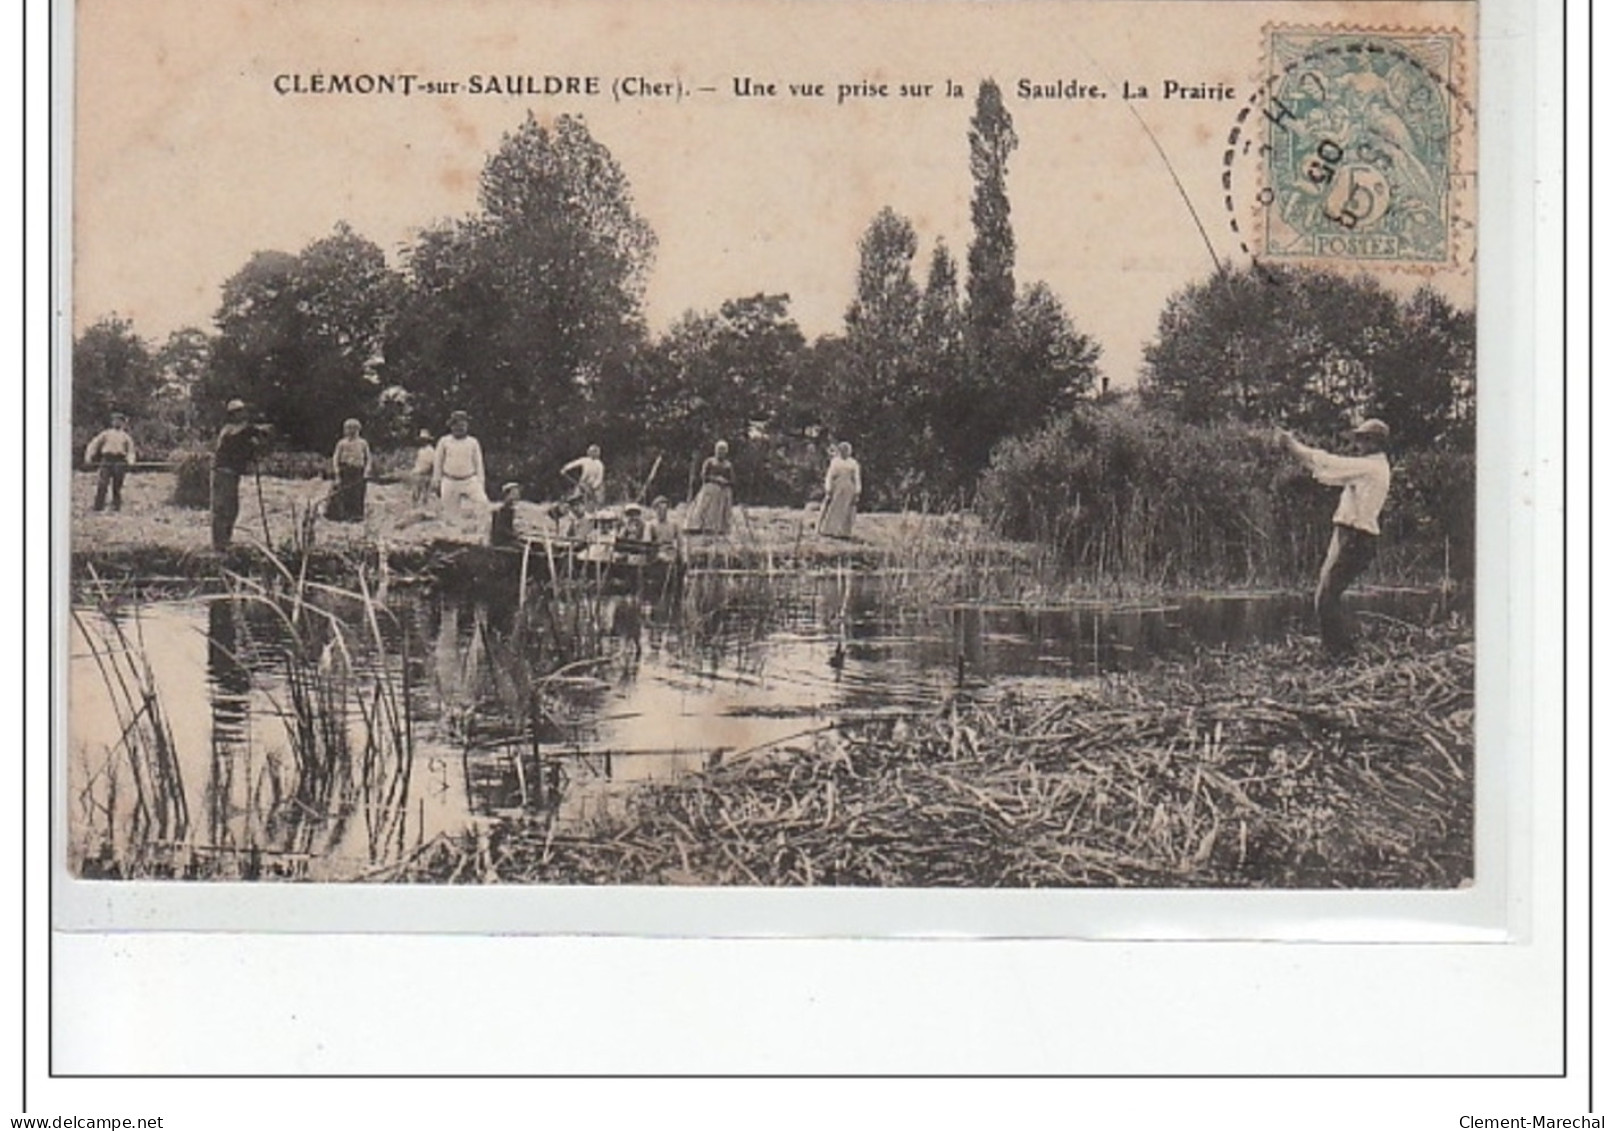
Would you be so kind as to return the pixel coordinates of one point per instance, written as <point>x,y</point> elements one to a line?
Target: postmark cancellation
<point>1359,142</point>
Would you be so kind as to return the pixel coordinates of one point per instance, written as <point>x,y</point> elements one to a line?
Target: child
<point>575,524</point>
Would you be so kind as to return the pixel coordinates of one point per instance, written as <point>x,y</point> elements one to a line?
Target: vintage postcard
<point>773,445</point>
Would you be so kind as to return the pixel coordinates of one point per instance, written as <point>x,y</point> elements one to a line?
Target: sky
<point>188,159</point>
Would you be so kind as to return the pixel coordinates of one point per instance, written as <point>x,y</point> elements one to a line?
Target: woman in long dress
<point>710,514</point>
<point>843,483</point>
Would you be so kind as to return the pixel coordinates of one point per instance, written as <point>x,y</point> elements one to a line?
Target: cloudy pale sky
<point>187,159</point>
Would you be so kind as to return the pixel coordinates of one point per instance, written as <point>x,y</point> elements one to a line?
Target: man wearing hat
<point>503,530</point>
<point>111,453</point>
<point>238,445</point>
<point>458,472</point>
<point>1364,479</point>
<point>633,523</point>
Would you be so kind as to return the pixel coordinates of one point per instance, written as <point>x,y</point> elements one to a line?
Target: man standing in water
<point>238,446</point>
<point>1364,479</point>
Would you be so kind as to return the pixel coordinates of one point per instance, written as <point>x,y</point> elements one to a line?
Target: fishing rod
<point>645,487</point>
<point>263,512</point>
<point>1205,238</point>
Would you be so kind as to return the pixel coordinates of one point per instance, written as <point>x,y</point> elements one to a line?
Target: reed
<point>339,786</point>
<point>1249,770</point>
<point>159,814</point>
<point>1144,499</point>
<point>347,716</point>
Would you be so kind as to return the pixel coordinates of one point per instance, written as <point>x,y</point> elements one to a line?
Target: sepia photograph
<point>948,445</point>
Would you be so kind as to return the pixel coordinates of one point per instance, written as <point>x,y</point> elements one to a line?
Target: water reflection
<point>230,761</point>
<point>328,740</point>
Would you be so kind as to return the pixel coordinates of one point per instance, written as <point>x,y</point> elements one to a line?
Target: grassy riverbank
<point>1262,768</point>
<point>152,537</point>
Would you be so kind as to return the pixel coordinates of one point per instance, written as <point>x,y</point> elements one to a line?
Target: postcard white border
<point>1514,531</point>
<point>317,1005</point>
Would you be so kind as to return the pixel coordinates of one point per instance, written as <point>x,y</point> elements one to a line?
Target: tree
<point>452,309</point>
<point>945,394</point>
<point>880,389</point>
<point>525,312</point>
<point>886,304</point>
<point>183,363</point>
<point>113,370</point>
<point>725,375</point>
<point>942,331</point>
<point>1312,350</point>
<point>1427,391</point>
<point>1020,358</point>
<point>1044,367</point>
<point>301,336</point>
<point>941,317</point>
<point>1292,346</point>
<point>990,289</point>
<point>570,255</point>
<point>1050,365</point>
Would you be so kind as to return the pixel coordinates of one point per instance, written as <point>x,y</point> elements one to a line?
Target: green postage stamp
<point>1360,153</point>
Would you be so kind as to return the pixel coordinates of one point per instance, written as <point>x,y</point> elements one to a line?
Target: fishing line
<point>263,513</point>
<point>1205,238</point>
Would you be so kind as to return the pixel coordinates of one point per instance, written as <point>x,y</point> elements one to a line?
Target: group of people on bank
<point>452,469</point>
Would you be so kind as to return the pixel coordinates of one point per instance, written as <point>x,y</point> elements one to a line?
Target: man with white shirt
<point>111,453</point>
<point>1364,479</point>
<point>591,484</point>
<point>458,473</point>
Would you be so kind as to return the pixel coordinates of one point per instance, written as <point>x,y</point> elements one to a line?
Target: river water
<point>311,741</point>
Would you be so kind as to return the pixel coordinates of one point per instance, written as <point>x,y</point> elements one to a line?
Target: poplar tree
<point>990,288</point>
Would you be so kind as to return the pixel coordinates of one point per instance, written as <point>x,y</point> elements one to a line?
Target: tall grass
<point>520,681</point>
<point>334,798</point>
<point>1139,496</point>
<point>159,820</point>
<point>349,724</point>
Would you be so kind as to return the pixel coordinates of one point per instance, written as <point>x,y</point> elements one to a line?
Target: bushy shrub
<point>1138,495</point>
<point>193,475</point>
<point>1429,523</point>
